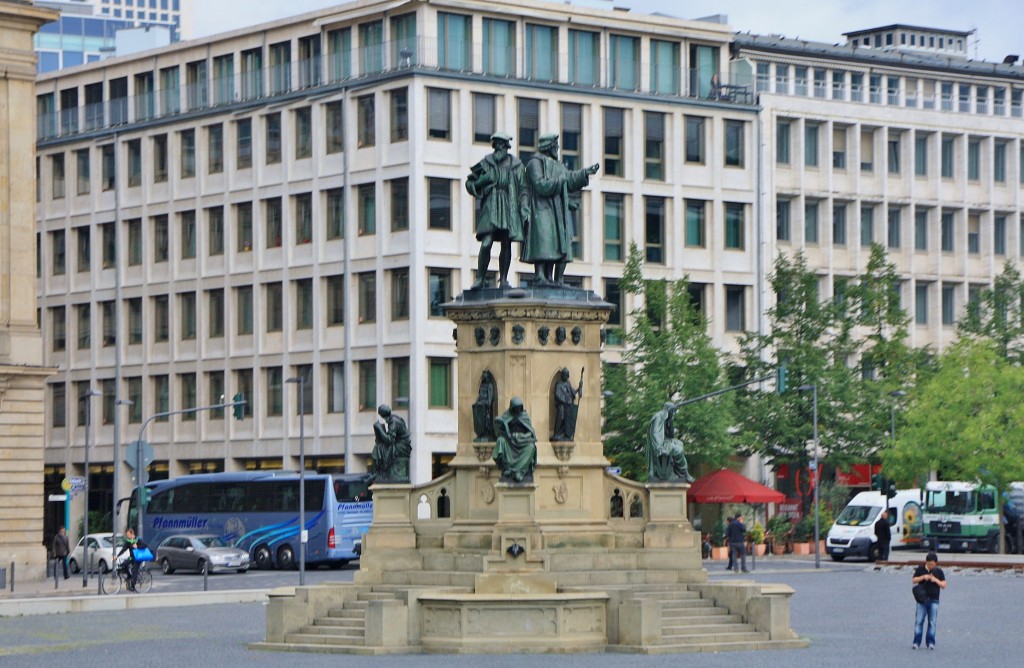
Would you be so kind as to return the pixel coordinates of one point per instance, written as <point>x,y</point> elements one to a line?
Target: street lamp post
<point>85,517</point>
<point>814,467</point>
<point>302,477</point>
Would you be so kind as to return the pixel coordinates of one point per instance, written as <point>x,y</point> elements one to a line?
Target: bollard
<point>206,574</point>
<point>3,578</point>
<point>56,579</point>
<point>12,577</point>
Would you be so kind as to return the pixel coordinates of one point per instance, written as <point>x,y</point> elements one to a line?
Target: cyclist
<point>131,565</point>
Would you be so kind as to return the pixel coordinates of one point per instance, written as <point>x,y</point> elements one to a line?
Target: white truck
<point>853,534</point>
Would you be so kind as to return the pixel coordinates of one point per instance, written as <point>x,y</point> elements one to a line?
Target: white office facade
<point>287,201</point>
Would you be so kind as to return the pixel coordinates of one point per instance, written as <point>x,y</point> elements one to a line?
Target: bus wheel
<point>340,563</point>
<point>285,558</point>
<point>261,555</point>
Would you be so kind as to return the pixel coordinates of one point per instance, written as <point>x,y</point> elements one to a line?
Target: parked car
<point>194,553</point>
<point>101,553</point>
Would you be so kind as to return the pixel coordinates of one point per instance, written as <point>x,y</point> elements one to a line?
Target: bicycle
<point>113,581</point>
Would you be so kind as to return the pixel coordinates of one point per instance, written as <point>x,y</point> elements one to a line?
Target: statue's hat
<point>504,136</point>
<point>547,140</point>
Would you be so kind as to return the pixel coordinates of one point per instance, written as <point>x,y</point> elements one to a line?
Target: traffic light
<point>877,482</point>
<point>239,408</point>
<point>890,490</point>
<point>146,494</point>
<point>781,377</point>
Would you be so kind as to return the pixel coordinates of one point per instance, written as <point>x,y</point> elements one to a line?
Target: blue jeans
<point>931,611</point>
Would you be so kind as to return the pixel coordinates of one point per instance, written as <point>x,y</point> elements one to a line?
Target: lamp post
<point>814,467</point>
<point>88,395</point>
<point>302,477</point>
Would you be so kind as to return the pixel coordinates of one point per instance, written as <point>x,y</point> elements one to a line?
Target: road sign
<point>614,470</point>
<point>131,455</point>
<point>58,497</point>
<point>74,484</point>
<point>65,485</point>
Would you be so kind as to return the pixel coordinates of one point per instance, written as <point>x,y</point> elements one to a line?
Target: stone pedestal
<point>668,525</point>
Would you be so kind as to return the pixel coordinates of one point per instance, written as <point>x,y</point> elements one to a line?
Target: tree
<point>995,313</point>
<point>966,421</point>
<point>668,356</point>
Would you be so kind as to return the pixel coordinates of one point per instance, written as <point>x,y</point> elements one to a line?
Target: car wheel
<point>838,557</point>
<point>165,566</point>
<point>261,556</point>
<point>201,565</point>
<point>73,565</point>
<point>874,553</point>
<point>104,567</point>
<point>285,558</point>
<point>241,570</point>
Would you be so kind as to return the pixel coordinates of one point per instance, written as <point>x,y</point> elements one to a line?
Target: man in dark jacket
<point>934,581</point>
<point>735,535</point>
<point>61,549</point>
<point>883,532</point>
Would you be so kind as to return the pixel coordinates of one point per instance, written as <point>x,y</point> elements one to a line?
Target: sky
<point>997,21</point>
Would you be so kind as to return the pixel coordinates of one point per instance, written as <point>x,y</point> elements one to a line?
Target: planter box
<point>759,549</point>
<point>778,549</point>
<point>801,548</point>
<point>719,553</point>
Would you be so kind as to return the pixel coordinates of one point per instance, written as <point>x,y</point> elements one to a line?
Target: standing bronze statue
<point>566,408</point>
<point>392,447</point>
<point>483,408</point>
<point>498,182</point>
<point>548,245</point>
<point>666,459</point>
<point>515,452</point>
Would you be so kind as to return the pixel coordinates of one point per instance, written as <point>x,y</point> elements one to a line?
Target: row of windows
<point>892,90</point>
<point>952,228</point>
<point>985,156</point>
<point>950,294</point>
<point>325,391</point>
<point>272,306</point>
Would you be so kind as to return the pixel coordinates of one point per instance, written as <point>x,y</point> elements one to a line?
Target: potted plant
<point>755,535</point>
<point>719,548</point>
<point>780,532</point>
<point>803,534</point>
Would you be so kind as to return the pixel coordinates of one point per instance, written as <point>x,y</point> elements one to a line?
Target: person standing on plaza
<point>883,532</point>
<point>61,550</point>
<point>934,581</point>
<point>736,534</point>
<point>728,523</point>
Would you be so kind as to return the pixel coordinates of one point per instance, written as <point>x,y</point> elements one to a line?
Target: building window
<point>160,159</point>
<point>59,405</point>
<point>948,304</point>
<point>839,224</point>
<point>366,117</point>
<point>335,300</point>
<point>280,62</point>
<point>734,143</point>
<point>336,387</point>
<point>187,309</point>
<point>541,52</point>
<point>309,63</point>
<point>811,235</point>
<point>439,119</point>
<point>921,229</point>
<point>999,235</point>
<point>948,231</point>
<point>275,391</point>
<point>196,84</point>
<point>135,397</point>
<point>782,220</point>
<point>303,133</point>
<point>83,236</point>
<point>529,127</point>
<point>664,67</point>
<point>735,308</point>
<point>584,57</point>
<point>334,127</point>
<point>83,314</point>
<point>82,169</point>
<point>839,147</point>
<point>134,162</point>
<point>440,382</point>
<point>243,312</point>
<point>303,218</point>
<point>399,114</point>
<point>454,39</point>
<point>484,118</point>
<point>339,49</point>
<point>400,294</point>
<point>58,253</point>
<point>224,79</point>
<point>304,303</point>
<point>400,377</point>
<point>782,141</point>
<point>243,144</point>
<point>695,139</point>
<point>215,313</point>
<point>894,153</point>
<point>654,146</point>
<point>252,73</point>
<point>162,395</point>
<point>999,162</point>
<point>948,160</point>
<point>215,229</point>
<point>614,152</point>
<point>243,226</point>
<point>161,319</point>
<point>134,320</point>
<point>974,233</point>
<point>867,150</point>
<point>440,213</point>
<point>367,297</point>
<point>58,318</point>
<point>335,214</point>
<point>215,148</point>
<point>499,44</point>
<point>811,145</point>
<point>894,227</point>
<point>367,209</point>
<point>275,307</point>
<point>399,196</point>
<point>272,129</point>
<point>734,224</point>
<point>273,222</point>
<point>57,183</point>
<point>974,159</point>
<point>920,154</point>
<point>187,139</point>
<point>161,239</point>
<point>921,303</point>
<point>623,62</point>
<point>654,229</point>
<point>367,385</point>
<point>215,393</point>
<point>440,290</point>
<point>187,224</point>
<point>371,47</point>
<point>614,225</point>
<point>695,225</point>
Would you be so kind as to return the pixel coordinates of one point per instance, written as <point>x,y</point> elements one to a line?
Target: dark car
<point>196,553</point>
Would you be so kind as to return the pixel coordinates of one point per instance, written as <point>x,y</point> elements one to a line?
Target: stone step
<point>429,579</point>
<point>321,639</point>
<point>668,594</point>
<point>699,615</point>
<point>340,622</point>
<point>346,613</point>
<point>338,631</point>
<point>319,648</point>
<point>710,646</point>
<point>631,577</point>
<point>376,596</point>
<point>711,629</point>
<point>687,604</point>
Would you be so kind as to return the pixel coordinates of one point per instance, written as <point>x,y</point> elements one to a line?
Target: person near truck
<point>934,582</point>
<point>883,532</point>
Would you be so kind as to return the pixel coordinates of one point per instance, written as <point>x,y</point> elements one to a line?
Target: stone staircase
<point>341,631</point>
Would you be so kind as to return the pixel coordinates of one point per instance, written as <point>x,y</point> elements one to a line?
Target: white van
<point>853,534</point>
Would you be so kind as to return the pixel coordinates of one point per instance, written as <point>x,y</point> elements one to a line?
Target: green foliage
<point>803,532</point>
<point>966,421</point>
<point>718,533</point>
<point>833,495</point>
<point>669,356</point>
<point>756,533</point>
<point>995,314</point>
<point>780,527</point>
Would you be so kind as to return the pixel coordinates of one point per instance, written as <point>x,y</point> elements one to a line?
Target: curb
<point>23,607</point>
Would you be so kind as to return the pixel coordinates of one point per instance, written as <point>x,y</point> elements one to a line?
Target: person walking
<point>934,582</point>
<point>883,532</point>
<point>736,534</point>
<point>61,550</point>
<point>728,523</point>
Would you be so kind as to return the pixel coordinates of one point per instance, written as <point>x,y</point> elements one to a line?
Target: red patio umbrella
<point>727,486</point>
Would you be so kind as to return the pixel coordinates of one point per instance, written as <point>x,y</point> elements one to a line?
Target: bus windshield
<point>946,501</point>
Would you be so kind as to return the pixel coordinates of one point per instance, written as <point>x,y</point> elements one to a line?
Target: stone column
<point>22,375</point>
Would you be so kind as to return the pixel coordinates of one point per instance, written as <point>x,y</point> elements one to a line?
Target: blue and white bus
<point>259,511</point>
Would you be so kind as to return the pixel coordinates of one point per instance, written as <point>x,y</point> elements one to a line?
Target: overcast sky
<point>997,22</point>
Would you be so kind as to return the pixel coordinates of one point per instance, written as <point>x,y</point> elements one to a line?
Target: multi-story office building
<point>286,201</point>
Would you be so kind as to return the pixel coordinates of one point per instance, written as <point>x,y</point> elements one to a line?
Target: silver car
<point>196,553</point>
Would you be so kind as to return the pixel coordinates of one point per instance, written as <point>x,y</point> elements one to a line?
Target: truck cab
<point>964,517</point>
